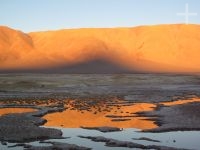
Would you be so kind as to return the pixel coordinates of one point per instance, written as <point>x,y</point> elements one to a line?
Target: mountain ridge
<point>159,48</point>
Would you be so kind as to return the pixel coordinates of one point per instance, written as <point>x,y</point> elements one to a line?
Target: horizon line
<point>113,27</point>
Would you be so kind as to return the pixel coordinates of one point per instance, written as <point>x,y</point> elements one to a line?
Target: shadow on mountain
<point>90,67</point>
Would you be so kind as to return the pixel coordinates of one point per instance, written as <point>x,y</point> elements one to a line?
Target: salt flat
<point>144,103</point>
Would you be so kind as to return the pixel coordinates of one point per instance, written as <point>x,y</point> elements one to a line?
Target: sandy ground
<point>133,87</point>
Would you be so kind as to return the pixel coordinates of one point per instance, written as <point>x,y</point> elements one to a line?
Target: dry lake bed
<point>99,111</point>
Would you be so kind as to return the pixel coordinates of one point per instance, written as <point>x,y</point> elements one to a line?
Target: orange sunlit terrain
<point>179,102</point>
<point>159,48</point>
<point>4,111</point>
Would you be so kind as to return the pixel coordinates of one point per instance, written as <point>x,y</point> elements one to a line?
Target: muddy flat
<point>39,111</point>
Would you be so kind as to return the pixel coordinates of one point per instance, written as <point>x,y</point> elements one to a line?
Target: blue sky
<point>37,15</point>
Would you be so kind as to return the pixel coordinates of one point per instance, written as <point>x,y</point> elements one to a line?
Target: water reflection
<point>90,113</point>
<point>178,102</point>
<point>4,111</point>
<point>178,139</point>
<point>96,112</point>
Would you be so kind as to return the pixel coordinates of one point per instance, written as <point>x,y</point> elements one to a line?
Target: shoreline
<point>116,99</point>
<point>33,120</point>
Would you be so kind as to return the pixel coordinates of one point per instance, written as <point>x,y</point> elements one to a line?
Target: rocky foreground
<point>25,127</point>
<point>96,94</point>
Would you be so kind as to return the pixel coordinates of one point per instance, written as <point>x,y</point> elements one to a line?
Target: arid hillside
<point>159,48</point>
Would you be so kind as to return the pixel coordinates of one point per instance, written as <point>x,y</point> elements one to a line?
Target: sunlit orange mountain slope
<point>159,48</point>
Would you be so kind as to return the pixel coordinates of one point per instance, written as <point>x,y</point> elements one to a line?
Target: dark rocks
<point>113,142</point>
<point>117,116</point>
<point>146,139</point>
<point>3,143</point>
<point>120,119</point>
<point>103,129</point>
<point>19,144</point>
<point>58,146</point>
<point>175,118</point>
<point>116,143</point>
<point>24,127</point>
